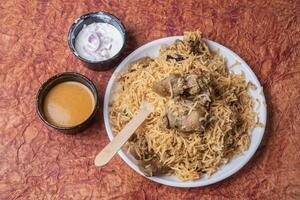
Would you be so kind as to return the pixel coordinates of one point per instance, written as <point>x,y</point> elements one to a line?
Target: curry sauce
<point>68,104</point>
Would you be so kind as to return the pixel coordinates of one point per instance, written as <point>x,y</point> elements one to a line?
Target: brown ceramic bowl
<point>59,78</point>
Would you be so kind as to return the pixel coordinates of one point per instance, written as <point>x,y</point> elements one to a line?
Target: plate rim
<point>131,164</point>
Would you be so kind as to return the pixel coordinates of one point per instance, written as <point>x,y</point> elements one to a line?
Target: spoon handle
<point>111,149</point>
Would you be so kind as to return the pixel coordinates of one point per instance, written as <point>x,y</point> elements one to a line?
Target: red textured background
<point>38,163</point>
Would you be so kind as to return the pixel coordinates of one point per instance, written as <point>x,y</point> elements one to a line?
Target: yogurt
<point>98,41</point>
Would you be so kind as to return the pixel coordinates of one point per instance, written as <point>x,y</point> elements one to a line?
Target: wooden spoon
<point>111,149</point>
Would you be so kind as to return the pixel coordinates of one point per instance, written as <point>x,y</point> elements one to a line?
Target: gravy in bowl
<point>68,104</point>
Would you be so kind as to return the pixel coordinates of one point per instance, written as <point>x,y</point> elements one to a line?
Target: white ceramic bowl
<point>152,49</point>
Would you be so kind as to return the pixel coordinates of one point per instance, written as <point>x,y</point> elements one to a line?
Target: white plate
<point>152,49</point>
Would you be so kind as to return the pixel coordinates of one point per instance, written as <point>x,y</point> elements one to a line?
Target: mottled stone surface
<point>39,163</point>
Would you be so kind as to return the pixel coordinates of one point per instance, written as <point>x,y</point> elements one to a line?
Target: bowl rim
<point>81,19</point>
<point>188,184</point>
<point>88,83</point>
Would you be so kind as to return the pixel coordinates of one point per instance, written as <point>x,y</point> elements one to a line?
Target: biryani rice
<point>188,156</point>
